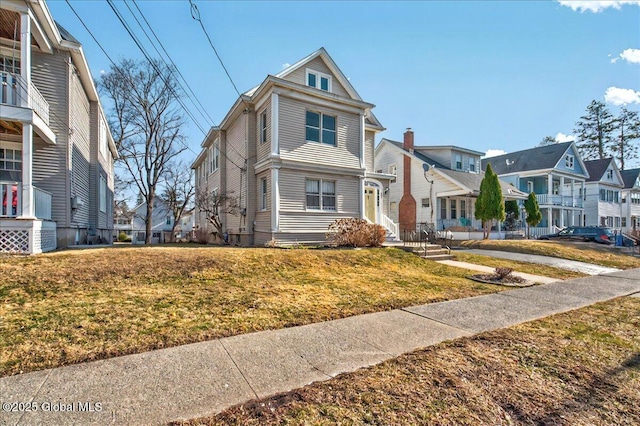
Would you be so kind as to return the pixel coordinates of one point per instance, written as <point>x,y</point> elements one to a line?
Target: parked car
<point>599,234</point>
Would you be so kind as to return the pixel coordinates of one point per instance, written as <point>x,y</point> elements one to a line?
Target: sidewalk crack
<point>239,370</point>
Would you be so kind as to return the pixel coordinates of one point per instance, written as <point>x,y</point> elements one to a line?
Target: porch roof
<point>469,184</point>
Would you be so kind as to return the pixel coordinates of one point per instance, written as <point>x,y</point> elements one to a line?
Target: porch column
<point>361,198</point>
<point>573,193</point>
<point>549,187</point>
<point>549,217</point>
<point>25,60</point>
<point>561,194</point>
<point>28,206</point>
<point>275,200</point>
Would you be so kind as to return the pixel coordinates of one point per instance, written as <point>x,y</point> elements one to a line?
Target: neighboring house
<point>161,222</point>
<point>555,173</point>
<point>603,203</point>
<point>631,201</point>
<point>186,227</point>
<point>56,150</point>
<point>296,153</point>
<point>122,223</point>
<point>435,185</point>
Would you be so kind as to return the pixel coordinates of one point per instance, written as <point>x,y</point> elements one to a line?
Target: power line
<point>195,14</point>
<point>202,110</point>
<point>176,67</point>
<point>132,84</point>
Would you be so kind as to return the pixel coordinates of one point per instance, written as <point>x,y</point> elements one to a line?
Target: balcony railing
<point>13,90</point>
<point>42,203</point>
<point>11,201</point>
<point>559,200</point>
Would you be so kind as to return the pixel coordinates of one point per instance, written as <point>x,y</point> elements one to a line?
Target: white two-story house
<point>556,174</point>
<point>631,201</point>
<point>603,201</point>
<point>295,153</point>
<point>436,186</point>
<point>56,150</point>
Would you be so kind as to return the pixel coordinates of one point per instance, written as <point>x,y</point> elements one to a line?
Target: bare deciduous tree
<point>212,205</point>
<point>146,124</point>
<point>178,192</point>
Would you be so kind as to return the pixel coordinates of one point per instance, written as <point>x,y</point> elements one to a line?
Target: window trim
<point>263,194</point>
<point>321,195</point>
<point>321,129</point>
<point>569,161</point>
<point>263,126</point>
<point>102,202</point>
<point>318,76</point>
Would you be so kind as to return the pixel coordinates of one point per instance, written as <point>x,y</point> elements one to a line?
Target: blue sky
<point>485,75</point>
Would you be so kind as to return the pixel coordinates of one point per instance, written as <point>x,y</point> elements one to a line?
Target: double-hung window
<point>320,128</point>
<point>263,126</point>
<point>458,162</point>
<point>10,164</point>
<point>321,194</point>
<point>216,156</point>
<point>263,194</point>
<point>319,80</point>
<point>103,194</point>
<point>472,164</point>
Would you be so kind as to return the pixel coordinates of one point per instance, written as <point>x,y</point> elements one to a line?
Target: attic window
<point>568,161</point>
<point>319,80</point>
<point>610,174</point>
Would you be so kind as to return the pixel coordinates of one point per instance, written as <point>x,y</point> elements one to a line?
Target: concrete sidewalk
<point>203,378</point>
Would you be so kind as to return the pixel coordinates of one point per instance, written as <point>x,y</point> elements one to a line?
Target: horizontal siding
<point>264,149</point>
<point>293,191</point>
<point>299,76</point>
<point>369,141</point>
<point>260,239</point>
<point>50,162</point>
<point>95,215</point>
<point>293,145</point>
<point>79,117</point>
<point>301,222</point>
<point>286,238</point>
<point>236,178</point>
<point>263,222</point>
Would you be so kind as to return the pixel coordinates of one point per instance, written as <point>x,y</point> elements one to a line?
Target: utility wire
<point>202,109</point>
<point>195,14</point>
<point>176,67</point>
<point>132,84</point>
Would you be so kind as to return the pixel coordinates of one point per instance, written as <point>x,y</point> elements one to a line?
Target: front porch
<point>19,233</point>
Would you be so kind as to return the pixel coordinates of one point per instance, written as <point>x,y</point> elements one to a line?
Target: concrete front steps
<point>430,251</point>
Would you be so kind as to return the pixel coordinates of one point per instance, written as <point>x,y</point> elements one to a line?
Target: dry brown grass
<point>577,368</point>
<point>529,268</point>
<point>75,306</point>
<point>584,252</point>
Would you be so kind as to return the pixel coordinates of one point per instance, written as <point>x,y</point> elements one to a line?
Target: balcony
<point>13,92</point>
<point>559,200</point>
<point>11,201</point>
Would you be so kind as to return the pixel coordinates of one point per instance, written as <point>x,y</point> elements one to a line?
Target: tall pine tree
<point>627,131</point>
<point>594,132</point>
<point>534,216</point>
<point>489,204</point>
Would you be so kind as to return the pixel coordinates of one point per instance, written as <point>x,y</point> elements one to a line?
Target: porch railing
<point>11,201</point>
<point>559,200</point>
<point>390,225</point>
<point>13,90</point>
<point>464,222</point>
<point>42,203</point>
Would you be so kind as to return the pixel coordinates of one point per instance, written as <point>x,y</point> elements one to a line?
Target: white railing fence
<point>390,225</point>
<point>13,91</point>
<point>10,199</point>
<point>42,203</point>
<point>559,200</point>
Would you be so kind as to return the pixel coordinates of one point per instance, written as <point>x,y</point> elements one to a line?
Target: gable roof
<point>596,168</point>
<point>416,154</point>
<point>538,158</point>
<point>629,177</point>
<point>465,180</point>
<point>472,182</point>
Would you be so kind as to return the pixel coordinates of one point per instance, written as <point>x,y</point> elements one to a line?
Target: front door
<point>370,203</point>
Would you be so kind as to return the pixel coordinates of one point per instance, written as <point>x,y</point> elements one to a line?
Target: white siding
<point>263,149</point>
<point>293,143</point>
<point>236,179</point>
<point>369,141</point>
<point>79,142</point>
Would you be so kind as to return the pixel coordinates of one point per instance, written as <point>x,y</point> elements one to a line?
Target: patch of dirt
<point>509,280</point>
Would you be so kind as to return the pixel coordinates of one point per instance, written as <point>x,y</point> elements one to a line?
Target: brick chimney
<point>408,140</point>
<point>407,207</point>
